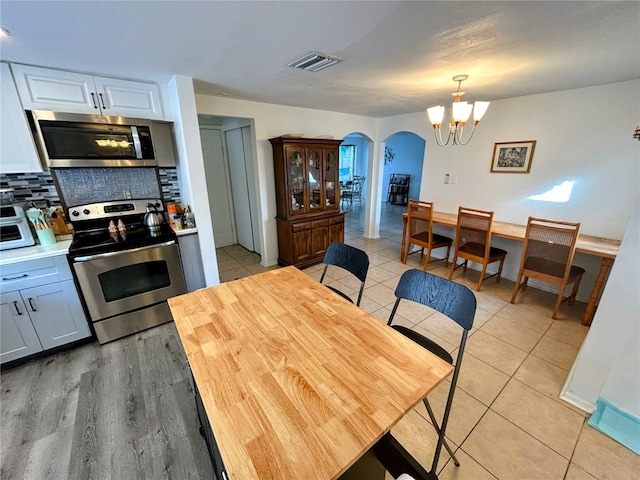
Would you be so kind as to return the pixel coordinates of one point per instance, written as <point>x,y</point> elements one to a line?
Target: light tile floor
<point>507,420</point>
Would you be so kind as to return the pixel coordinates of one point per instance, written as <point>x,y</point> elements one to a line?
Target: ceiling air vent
<point>314,61</point>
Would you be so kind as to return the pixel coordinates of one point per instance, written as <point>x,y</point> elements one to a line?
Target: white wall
<point>272,121</point>
<point>408,149</point>
<point>191,165</point>
<point>582,135</point>
<point>608,363</point>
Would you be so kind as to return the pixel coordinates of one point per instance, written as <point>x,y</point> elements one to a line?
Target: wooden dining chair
<point>349,258</point>
<point>547,255</point>
<point>353,190</point>
<point>473,242</point>
<point>456,302</point>
<point>420,228</point>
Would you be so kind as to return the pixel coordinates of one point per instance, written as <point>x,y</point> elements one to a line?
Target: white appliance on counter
<point>14,228</point>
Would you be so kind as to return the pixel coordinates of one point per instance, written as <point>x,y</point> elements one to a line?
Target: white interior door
<point>247,142</point>
<point>217,185</point>
<point>240,187</point>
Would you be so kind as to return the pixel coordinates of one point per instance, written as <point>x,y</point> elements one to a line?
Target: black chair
<point>351,259</point>
<point>456,302</point>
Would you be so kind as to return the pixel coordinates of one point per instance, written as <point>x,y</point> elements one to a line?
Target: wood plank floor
<point>124,410</point>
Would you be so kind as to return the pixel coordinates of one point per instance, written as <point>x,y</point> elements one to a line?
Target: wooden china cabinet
<point>308,198</point>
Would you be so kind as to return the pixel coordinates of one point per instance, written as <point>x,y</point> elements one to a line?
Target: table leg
<point>367,467</point>
<point>397,460</point>
<point>605,265</point>
<point>206,431</point>
<point>403,256</point>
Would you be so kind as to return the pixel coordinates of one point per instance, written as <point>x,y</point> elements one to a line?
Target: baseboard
<point>623,427</point>
<point>269,262</point>
<point>577,402</point>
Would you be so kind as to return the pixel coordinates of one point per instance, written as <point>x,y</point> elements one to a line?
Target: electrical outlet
<point>447,178</point>
<point>127,194</point>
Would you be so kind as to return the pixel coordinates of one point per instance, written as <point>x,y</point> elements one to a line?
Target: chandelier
<point>460,112</point>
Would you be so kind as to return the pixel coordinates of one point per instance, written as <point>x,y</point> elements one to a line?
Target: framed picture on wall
<point>513,157</point>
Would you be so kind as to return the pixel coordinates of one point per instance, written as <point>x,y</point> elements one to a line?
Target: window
<point>347,163</point>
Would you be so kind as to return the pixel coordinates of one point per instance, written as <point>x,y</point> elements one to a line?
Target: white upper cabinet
<point>17,148</point>
<point>129,99</point>
<point>61,91</point>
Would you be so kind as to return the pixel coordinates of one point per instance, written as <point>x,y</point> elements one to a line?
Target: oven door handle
<point>88,258</point>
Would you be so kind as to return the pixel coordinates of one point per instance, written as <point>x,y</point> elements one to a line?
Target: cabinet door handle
<point>104,107</point>
<point>15,278</point>
<point>15,305</point>
<point>30,300</point>
<point>93,99</point>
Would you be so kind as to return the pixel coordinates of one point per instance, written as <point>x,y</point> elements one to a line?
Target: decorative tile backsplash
<point>79,186</point>
<point>31,186</point>
<point>169,184</point>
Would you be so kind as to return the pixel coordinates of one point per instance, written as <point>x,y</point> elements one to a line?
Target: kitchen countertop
<point>16,255</point>
<point>186,231</point>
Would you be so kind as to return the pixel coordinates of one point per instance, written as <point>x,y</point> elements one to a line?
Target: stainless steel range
<point>125,271</point>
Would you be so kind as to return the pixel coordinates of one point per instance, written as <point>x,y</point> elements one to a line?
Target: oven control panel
<point>94,211</point>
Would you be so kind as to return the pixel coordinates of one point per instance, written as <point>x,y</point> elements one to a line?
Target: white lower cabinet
<point>18,338</point>
<point>45,315</point>
<point>191,261</point>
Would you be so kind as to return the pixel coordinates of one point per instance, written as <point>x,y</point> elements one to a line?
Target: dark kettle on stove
<point>153,219</point>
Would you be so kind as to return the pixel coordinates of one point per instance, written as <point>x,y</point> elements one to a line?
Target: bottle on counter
<point>172,209</point>
<point>176,221</point>
<point>189,218</point>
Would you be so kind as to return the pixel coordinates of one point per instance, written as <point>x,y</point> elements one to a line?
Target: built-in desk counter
<point>605,248</point>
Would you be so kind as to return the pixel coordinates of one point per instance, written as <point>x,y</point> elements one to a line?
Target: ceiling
<point>399,57</point>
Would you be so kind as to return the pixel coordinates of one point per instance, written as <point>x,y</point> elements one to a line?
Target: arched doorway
<point>401,178</point>
<point>355,152</point>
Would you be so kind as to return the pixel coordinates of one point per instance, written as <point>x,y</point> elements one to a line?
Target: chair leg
<point>437,427</point>
<point>484,270</point>
<point>446,259</point>
<point>519,285</point>
<point>499,274</point>
<point>574,292</point>
<point>464,266</point>
<point>516,287</point>
<point>556,308</point>
<point>404,254</point>
<point>324,272</point>
<point>453,265</point>
<point>426,262</point>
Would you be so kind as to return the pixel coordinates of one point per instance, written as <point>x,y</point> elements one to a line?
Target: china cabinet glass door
<point>314,167</point>
<point>331,180</point>
<point>296,180</point>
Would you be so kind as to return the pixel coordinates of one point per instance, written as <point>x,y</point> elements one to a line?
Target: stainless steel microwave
<point>74,140</point>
